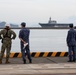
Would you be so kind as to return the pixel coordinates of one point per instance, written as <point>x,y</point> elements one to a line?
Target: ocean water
<point>43,40</point>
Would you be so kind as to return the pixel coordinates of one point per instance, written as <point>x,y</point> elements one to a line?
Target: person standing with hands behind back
<point>24,41</point>
<point>71,43</point>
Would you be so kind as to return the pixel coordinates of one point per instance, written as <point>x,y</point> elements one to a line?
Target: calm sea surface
<point>43,40</point>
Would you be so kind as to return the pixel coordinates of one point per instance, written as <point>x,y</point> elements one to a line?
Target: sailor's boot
<point>7,62</point>
<point>0,61</point>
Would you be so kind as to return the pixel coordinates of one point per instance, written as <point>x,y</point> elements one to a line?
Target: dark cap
<point>71,25</point>
<point>23,24</point>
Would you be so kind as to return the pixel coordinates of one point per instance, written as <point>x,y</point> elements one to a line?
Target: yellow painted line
<point>12,54</point>
<point>62,54</point>
<point>54,54</point>
<point>37,54</point>
<point>45,54</point>
<point>19,55</point>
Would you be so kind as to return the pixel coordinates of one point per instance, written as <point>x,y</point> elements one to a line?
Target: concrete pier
<point>39,66</point>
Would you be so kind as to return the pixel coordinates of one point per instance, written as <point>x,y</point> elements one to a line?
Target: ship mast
<point>49,20</point>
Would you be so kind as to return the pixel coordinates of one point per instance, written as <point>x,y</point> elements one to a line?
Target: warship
<point>53,23</point>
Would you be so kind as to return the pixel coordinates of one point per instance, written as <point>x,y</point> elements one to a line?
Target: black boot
<point>30,61</point>
<point>73,60</point>
<point>24,61</point>
<point>0,61</point>
<point>7,62</point>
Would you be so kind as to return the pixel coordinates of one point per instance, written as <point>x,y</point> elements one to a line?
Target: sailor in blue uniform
<point>71,43</point>
<point>24,41</point>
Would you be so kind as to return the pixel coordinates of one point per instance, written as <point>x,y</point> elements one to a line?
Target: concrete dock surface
<point>39,66</point>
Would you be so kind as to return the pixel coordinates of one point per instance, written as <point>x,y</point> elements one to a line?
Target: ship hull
<point>53,25</point>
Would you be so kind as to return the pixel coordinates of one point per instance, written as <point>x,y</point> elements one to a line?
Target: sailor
<point>6,35</point>
<point>24,38</point>
<point>71,43</point>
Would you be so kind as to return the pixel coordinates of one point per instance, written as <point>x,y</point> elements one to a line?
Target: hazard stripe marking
<point>41,54</point>
<point>45,54</point>
<point>37,54</point>
<point>54,54</point>
<point>62,54</point>
<point>66,54</point>
<point>16,54</point>
<point>58,54</point>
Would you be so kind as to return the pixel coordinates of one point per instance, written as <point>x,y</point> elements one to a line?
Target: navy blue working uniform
<point>24,34</point>
<point>71,43</point>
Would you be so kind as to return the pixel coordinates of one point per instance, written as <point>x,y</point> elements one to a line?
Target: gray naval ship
<point>53,23</point>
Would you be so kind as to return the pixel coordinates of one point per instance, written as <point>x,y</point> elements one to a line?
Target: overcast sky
<point>35,11</point>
